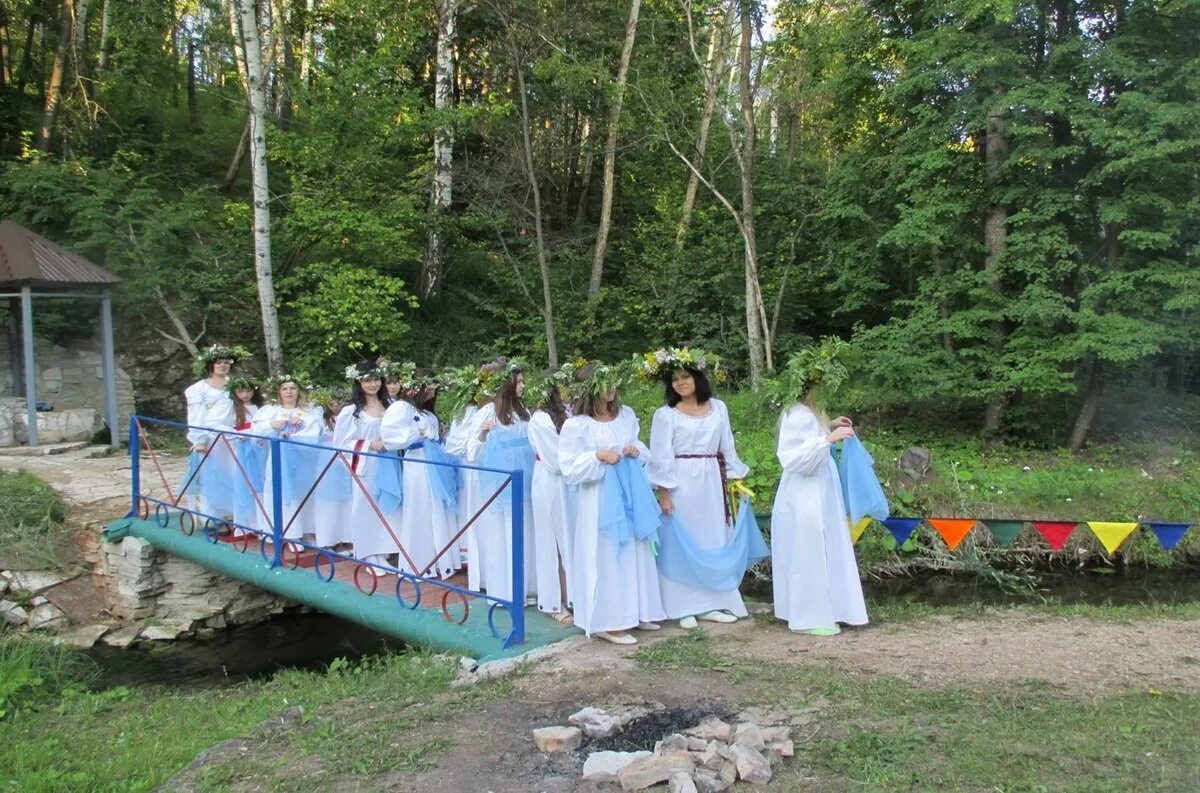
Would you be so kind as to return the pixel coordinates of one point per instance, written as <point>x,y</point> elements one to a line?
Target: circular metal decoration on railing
<point>187,526</point>
<point>263,545</point>
<point>374,579</point>
<point>162,515</point>
<point>446,615</point>
<point>294,548</point>
<point>416,585</point>
<point>143,510</point>
<point>212,530</point>
<point>492,617</point>
<point>240,540</point>
<point>322,555</point>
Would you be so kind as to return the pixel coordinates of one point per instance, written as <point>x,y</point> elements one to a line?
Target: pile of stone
<point>706,758</point>
<point>20,608</point>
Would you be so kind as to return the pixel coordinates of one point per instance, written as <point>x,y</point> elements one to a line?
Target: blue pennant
<point>1168,534</point>
<point>902,528</point>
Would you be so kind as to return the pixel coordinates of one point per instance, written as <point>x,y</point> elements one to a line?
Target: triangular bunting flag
<point>1111,535</point>
<point>1005,531</point>
<point>1056,532</point>
<point>856,531</point>
<point>952,529</point>
<point>901,528</point>
<point>1168,534</point>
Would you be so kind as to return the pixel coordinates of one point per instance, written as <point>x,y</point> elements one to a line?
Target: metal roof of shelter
<point>29,259</point>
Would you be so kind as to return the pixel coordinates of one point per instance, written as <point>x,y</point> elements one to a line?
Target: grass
<point>32,533</point>
<point>360,721</point>
<point>881,733</point>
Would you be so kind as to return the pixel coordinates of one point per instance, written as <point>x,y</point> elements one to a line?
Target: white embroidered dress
<point>551,539</point>
<point>209,411</point>
<point>361,525</point>
<point>298,463</point>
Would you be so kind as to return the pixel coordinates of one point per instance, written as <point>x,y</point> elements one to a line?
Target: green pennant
<point>1005,531</point>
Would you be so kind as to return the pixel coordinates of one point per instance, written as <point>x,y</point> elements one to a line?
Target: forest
<point>994,200</point>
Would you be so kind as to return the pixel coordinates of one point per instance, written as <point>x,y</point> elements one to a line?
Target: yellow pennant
<point>1111,535</point>
<point>857,530</point>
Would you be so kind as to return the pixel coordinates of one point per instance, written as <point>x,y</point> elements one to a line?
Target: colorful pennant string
<point>1005,531</point>
<point>1168,534</point>
<point>857,530</point>
<point>952,529</point>
<point>1055,532</point>
<point>902,528</point>
<point>1111,535</point>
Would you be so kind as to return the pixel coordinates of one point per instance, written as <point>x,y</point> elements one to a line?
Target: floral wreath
<point>492,376</point>
<point>235,384</point>
<point>218,352</point>
<point>538,386</point>
<point>652,365</point>
<point>376,370</point>
<point>271,384</point>
<point>602,377</point>
<point>822,364</point>
<point>394,369</point>
<point>325,396</point>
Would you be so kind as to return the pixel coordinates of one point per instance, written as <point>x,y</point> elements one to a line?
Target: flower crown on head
<point>353,372</point>
<point>218,352</point>
<point>602,377</point>
<point>668,359</point>
<point>539,386</point>
<point>271,384</point>
<point>327,395</point>
<point>394,369</point>
<point>822,364</point>
<point>235,384</point>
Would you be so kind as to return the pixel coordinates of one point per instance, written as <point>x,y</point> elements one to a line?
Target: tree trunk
<point>308,40</point>
<point>433,267</point>
<point>256,90</point>
<point>714,73</point>
<point>5,47</point>
<point>610,152</point>
<point>283,96</point>
<point>1091,407</point>
<point>80,42</point>
<point>995,237</point>
<point>543,265</point>
<point>239,52</point>
<point>239,155</point>
<point>105,38</point>
<point>589,157</point>
<point>193,109</point>
<point>54,88</point>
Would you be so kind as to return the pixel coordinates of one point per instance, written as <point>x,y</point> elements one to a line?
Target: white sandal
<point>688,623</point>
<point>614,639</point>
<point>718,616</point>
<point>649,626</point>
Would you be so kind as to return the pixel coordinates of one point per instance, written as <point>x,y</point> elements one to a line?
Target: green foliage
<point>32,532</point>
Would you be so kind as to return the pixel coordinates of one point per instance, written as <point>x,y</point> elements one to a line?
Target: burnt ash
<point>643,732</point>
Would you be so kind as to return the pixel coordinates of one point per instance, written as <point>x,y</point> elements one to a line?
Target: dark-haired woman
<point>615,517</point>
<point>551,540</point>
<point>427,520</point>
<point>502,442</point>
<point>210,412</point>
<point>694,455</point>
<point>357,429</point>
<point>251,454</point>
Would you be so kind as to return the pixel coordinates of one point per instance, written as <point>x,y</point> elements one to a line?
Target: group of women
<point>618,535</point>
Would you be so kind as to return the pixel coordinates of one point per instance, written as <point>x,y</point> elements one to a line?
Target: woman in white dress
<point>502,442</point>
<point>694,455</point>
<point>210,411</point>
<point>290,418</point>
<point>613,576</point>
<point>551,539</point>
<point>427,519</point>
<point>357,430</point>
<point>815,575</point>
<point>250,452</point>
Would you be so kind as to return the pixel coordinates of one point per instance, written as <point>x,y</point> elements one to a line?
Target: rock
<point>674,743</point>
<point>557,739</point>
<point>37,600</point>
<point>775,734</point>
<point>46,617</point>
<point>709,781</point>
<point>604,766</point>
<point>915,463</point>
<point>86,637</point>
<point>679,782</point>
<point>711,729</point>
<point>122,637</point>
<point>756,714</point>
<point>648,771</point>
<point>749,735</point>
<point>13,614</point>
<point>751,765</point>
<point>163,631</point>
<point>778,749</point>
<point>468,664</point>
<point>710,757</point>
<point>595,722</point>
<point>37,580</point>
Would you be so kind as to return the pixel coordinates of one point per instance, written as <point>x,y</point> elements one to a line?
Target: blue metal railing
<point>277,525</point>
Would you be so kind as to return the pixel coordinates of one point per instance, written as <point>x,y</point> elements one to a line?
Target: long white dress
<point>815,576</point>
<point>298,464</point>
<point>362,525</point>
<point>695,487</point>
<point>613,589</point>
<point>426,524</point>
<point>551,539</point>
<point>460,430</point>
<point>332,505</point>
<point>493,529</point>
<point>248,494</point>
<point>209,411</point>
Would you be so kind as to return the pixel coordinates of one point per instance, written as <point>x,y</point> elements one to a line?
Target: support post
<point>518,563</point>
<point>277,502</point>
<point>135,466</point>
<point>108,355</point>
<point>30,371</point>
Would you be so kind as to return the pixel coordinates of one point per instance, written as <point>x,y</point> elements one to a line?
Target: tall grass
<point>32,534</point>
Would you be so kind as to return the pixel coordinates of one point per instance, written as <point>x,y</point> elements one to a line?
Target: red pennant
<point>952,529</point>
<point>1055,532</point>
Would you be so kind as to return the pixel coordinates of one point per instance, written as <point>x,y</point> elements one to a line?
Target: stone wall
<point>144,583</point>
<point>70,379</point>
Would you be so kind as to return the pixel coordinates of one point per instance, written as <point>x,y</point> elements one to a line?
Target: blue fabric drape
<point>507,450</point>
<point>252,456</point>
<point>389,482</point>
<point>860,487</point>
<point>443,479</point>
<point>719,569</point>
<point>628,508</point>
<point>336,485</point>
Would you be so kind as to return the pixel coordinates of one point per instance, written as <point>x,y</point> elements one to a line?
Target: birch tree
<point>434,264</point>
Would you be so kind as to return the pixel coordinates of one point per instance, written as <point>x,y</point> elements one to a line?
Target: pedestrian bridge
<point>419,608</point>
